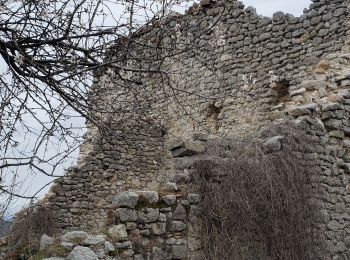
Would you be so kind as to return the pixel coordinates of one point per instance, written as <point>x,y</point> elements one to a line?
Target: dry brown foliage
<point>257,202</point>
<point>30,224</point>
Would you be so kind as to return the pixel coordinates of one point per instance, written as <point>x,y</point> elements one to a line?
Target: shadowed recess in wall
<point>281,91</point>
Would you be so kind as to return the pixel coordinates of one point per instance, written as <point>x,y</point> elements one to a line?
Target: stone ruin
<point>244,73</point>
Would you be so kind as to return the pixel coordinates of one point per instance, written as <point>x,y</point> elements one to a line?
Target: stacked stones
<point>245,72</point>
<point>108,167</point>
<point>241,59</point>
<point>146,226</point>
<point>323,110</point>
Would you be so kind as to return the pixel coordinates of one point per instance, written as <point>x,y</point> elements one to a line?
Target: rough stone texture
<point>247,72</point>
<point>179,213</point>
<point>126,215</point>
<point>150,196</point>
<point>169,199</point>
<point>94,240</point>
<point>74,237</point>
<point>274,144</point>
<point>80,252</point>
<point>148,237</point>
<point>46,241</point>
<point>243,61</point>
<point>125,199</point>
<point>118,233</point>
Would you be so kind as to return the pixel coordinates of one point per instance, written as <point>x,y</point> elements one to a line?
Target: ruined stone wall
<point>236,71</point>
<point>242,68</point>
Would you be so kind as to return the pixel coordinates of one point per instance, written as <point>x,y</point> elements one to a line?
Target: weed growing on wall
<point>257,197</point>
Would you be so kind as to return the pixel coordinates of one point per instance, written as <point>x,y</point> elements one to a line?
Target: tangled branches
<point>257,202</point>
<point>50,51</point>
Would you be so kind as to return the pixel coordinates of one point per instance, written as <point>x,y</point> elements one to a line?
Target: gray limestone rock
<point>330,106</point>
<point>150,196</point>
<point>80,253</point>
<point>179,213</point>
<point>125,199</point>
<point>148,215</point>
<point>46,241</point>
<point>302,110</point>
<point>126,215</point>
<point>313,84</point>
<point>169,199</point>
<point>100,253</point>
<point>118,233</point>
<point>109,247</point>
<point>171,186</point>
<point>74,237</point>
<point>159,228</point>
<point>67,246</point>
<point>178,226</point>
<point>94,240</point>
<point>333,124</point>
<point>334,225</point>
<point>162,217</point>
<point>274,144</point>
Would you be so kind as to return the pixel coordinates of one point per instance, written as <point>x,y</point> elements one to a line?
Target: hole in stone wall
<point>212,115</point>
<point>281,89</point>
<point>213,111</point>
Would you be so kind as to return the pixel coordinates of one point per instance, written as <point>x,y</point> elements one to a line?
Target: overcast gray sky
<point>268,7</point>
<point>264,7</point>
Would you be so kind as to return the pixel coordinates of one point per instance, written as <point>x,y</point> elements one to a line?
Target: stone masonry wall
<point>237,72</point>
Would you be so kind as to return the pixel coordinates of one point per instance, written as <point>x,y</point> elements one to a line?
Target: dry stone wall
<point>236,72</point>
<point>237,67</point>
<point>149,226</point>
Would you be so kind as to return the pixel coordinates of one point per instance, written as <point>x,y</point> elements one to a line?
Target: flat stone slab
<point>74,236</point>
